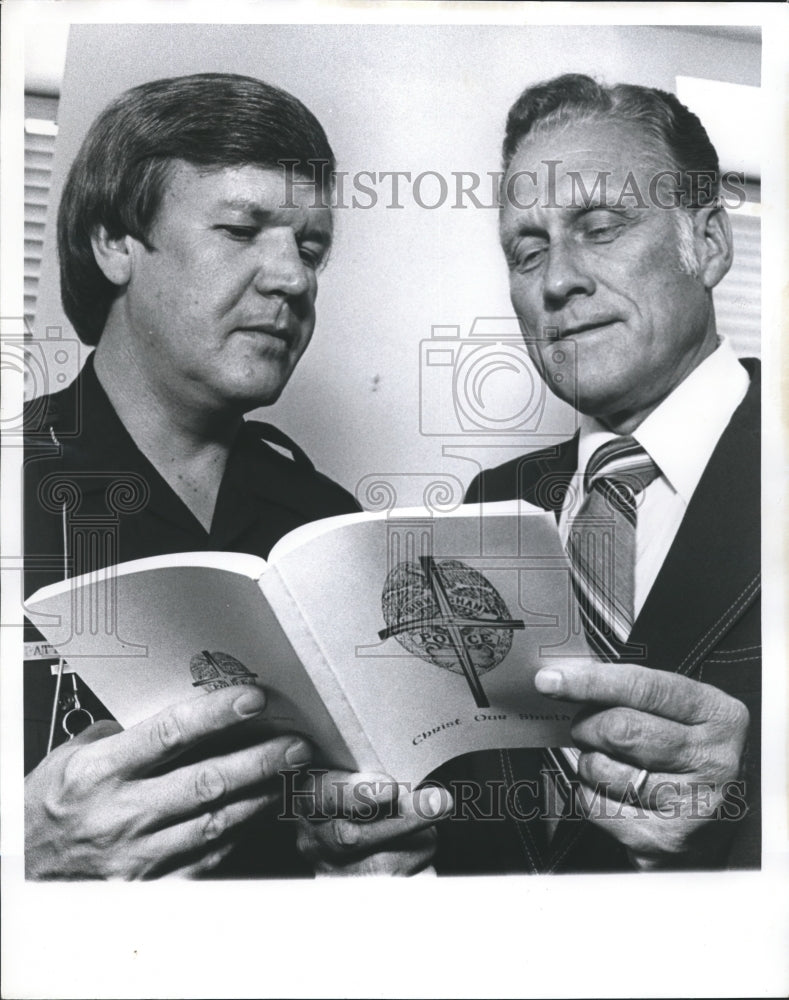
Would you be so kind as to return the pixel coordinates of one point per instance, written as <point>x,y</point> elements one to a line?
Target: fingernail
<point>548,681</point>
<point>251,702</point>
<point>435,802</point>
<point>298,753</point>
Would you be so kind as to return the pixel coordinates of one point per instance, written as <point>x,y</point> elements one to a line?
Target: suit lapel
<point>712,571</point>
<point>544,477</point>
<point>711,574</point>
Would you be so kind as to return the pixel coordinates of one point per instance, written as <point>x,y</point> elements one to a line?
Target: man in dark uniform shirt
<point>269,487</point>
<point>190,258</point>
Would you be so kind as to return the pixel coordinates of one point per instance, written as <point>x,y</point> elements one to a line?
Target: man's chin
<point>243,398</point>
<point>592,401</point>
<point>618,414</point>
<point>262,399</point>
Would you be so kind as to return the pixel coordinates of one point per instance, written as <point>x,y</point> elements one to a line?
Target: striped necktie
<point>601,544</point>
<point>601,547</point>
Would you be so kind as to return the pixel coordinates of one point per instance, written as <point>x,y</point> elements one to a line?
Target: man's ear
<point>712,232</point>
<point>113,255</point>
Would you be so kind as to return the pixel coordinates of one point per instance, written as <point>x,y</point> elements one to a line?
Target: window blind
<point>40,134</point>
<point>738,297</point>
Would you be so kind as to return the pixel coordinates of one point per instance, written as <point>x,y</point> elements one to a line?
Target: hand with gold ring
<point>662,756</point>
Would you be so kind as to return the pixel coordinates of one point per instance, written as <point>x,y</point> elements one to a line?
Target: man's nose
<point>565,275</point>
<point>281,270</point>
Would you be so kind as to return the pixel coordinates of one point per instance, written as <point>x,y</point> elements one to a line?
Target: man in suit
<point>615,237</point>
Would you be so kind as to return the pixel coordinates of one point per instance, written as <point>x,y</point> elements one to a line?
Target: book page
<point>435,627</point>
<point>305,533</point>
<point>149,634</point>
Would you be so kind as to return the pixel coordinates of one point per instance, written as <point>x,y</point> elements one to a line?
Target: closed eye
<point>238,232</point>
<point>522,260</point>
<point>313,256</point>
<point>602,225</point>
<point>603,234</point>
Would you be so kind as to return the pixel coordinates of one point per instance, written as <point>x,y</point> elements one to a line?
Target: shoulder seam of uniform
<point>277,439</point>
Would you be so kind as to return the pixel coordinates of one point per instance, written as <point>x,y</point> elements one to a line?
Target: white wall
<point>391,98</point>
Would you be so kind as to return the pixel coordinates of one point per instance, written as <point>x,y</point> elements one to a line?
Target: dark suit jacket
<point>702,616</point>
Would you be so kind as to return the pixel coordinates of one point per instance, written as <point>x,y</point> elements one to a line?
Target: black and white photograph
<point>394,500</point>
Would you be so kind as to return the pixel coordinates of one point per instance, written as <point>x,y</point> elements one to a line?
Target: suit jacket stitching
<point>509,778</point>
<point>556,859</point>
<point>721,626</point>
<point>740,659</point>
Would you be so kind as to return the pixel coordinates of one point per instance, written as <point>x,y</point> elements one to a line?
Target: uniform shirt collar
<point>102,445</point>
<point>260,483</point>
<point>680,434</point>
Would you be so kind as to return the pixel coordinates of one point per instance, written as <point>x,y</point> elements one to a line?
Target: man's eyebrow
<point>522,229</point>
<point>246,205</point>
<point>596,205</point>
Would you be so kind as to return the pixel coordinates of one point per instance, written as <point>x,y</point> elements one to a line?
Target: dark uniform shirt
<point>92,499</point>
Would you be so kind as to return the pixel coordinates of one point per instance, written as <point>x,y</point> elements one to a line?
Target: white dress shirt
<point>680,436</point>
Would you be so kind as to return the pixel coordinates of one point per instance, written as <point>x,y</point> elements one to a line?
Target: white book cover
<point>392,642</point>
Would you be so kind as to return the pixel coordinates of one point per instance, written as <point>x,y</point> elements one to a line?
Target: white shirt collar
<point>680,434</point>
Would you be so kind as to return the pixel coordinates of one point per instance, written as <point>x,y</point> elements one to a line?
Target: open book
<point>394,641</point>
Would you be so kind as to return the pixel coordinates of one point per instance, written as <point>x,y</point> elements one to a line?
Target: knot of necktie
<point>620,469</point>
